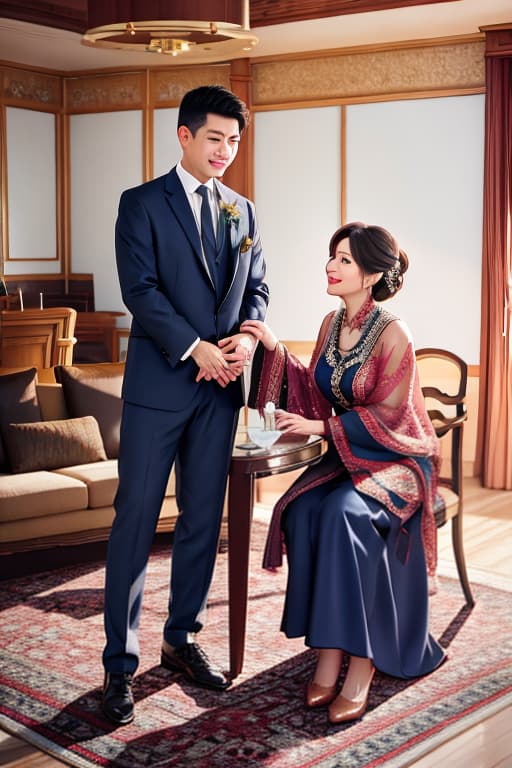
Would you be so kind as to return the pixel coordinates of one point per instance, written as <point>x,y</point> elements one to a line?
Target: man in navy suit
<point>191,270</point>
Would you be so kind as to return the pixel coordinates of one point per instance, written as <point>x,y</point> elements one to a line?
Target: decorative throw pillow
<point>54,444</point>
<point>18,403</point>
<point>94,389</point>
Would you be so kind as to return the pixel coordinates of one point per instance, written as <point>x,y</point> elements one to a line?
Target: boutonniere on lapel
<point>245,245</point>
<point>230,212</point>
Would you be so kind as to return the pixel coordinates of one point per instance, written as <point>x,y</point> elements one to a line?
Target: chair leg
<point>460,560</point>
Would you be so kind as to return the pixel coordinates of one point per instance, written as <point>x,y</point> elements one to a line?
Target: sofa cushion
<point>18,402</point>
<point>54,444</point>
<point>34,494</point>
<point>101,479</point>
<point>95,390</point>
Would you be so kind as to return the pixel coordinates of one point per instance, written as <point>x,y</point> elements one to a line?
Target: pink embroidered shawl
<point>388,404</point>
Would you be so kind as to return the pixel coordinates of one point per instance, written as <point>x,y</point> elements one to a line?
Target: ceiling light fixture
<point>132,27</point>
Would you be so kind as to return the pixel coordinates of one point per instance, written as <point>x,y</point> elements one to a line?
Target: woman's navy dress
<point>357,577</point>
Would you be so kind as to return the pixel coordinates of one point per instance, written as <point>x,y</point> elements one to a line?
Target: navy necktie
<point>208,233</point>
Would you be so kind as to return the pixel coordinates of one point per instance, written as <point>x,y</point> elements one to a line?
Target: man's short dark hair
<point>214,99</point>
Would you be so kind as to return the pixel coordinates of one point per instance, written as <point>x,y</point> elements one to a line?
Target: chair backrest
<point>443,378</point>
<point>37,337</point>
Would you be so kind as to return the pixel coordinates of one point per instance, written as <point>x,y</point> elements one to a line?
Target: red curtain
<point>494,444</point>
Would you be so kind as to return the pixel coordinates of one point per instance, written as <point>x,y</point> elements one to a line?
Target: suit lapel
<point>177,199</point>
<point>225,249</point>
<point>235,233</point>
<point>224,194</point>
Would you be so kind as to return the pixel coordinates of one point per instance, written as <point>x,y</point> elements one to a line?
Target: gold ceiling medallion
<point>187,41</point>
<point>171,46</point>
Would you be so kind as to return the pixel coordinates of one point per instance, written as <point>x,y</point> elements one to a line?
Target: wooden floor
<point>488,547</point>
<point>488,544</point>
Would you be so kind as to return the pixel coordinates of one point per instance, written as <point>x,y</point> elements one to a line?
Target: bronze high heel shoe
<point>343,710</point>
<point>318,695</point>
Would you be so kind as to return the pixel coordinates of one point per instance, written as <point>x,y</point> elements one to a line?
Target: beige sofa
<point>62,505</point>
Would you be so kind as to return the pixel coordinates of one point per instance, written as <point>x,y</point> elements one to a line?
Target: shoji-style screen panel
<point>106,158</point>
<point>31,192</point>
<point>166,148</point>
<point>297,194</point>
<point>416,167</point>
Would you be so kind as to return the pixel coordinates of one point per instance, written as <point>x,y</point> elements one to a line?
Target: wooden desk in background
<point>97,337</point>
<point>37,337</point>
<point>9,302</point>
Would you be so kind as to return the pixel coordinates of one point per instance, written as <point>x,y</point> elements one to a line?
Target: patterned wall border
<point>166,87</point>
<point>104,93</point>
<point>366,74</point>
<point>107,92</point>
<point>31,89</point>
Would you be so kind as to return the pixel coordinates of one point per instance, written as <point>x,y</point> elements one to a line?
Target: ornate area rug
<point>52,637</point>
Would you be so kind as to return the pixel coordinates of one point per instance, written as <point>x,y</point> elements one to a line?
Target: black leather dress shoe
<point>117,700</point>
<point>193,661</point>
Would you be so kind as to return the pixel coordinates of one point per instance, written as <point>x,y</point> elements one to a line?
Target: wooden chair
<point>447,411</point>
<point>37,337</point>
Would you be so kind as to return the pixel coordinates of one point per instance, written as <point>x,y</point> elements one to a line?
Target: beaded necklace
<point>376,319</point>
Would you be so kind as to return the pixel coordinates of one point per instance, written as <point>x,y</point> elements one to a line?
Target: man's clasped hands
<point>225,362</point>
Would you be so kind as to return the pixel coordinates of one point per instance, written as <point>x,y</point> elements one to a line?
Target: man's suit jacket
<point>166,286</point>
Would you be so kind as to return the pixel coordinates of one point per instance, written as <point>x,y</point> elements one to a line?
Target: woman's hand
<point>260,331</point>
<point>240,343</point>
<point>298,425</point>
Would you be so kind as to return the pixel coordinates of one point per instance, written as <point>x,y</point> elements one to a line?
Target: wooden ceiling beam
<point>266,12</point>
<point>72,14</point>
<point>60,14</point>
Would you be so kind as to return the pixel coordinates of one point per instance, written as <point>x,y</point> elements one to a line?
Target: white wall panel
<point>297,194</point>
<point>416,168</point>
<point>167,151</point>
<point>31,200</point>
<point>106,158</point>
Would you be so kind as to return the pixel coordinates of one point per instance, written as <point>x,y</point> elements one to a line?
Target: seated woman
<point>358,527</point>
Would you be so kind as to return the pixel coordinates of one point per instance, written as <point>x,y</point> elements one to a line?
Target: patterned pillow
<point>54,444</point>
<point>18,403</point>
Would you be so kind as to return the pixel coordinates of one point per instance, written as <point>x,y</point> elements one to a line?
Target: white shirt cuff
<point>190,349</point>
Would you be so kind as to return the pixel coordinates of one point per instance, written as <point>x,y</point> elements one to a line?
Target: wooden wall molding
<point>4,218</point>
<point>30,89</point>
<point>104,93</point>
<point>425,70</point>
<point>498,40</point>
<point>63,163</point>
<point>412,67</point>
<point>240,175</point>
